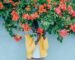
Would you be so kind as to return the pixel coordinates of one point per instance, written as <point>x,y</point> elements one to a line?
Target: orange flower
<point>27,16</point>
<point>49,1</point>
<point>48,6</point>
<point>17,37</point>
<point>72,27</point>
<point>41,11</point>
<point>15,15</point>
<point>73,14</point>
<point>63,6</point>
<point>13,12</point>
<point>45,5</point>
<point>63,32</point>
<point>41,7</point>
<point>25,27</point>
<point>35,15</point>
<point>1,5</point>
<point>30,17</point>
<point>58,11</point>
<point>70,9</point>
<point>40,30</point>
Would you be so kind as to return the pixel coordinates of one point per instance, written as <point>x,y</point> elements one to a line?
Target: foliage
<point>53,16</point>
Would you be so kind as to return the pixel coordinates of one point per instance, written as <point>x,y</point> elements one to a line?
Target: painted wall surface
<point>11,50</point>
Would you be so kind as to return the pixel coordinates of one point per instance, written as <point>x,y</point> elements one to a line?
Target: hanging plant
<point>53,16</point>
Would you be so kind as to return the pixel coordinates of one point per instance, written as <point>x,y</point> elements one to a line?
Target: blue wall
<point>11,50</point>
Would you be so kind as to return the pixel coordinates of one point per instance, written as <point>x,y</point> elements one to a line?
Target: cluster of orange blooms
<point>63,7</point>
<point>71,11</point>
<point>1,5</point>
<point>30,17</point>
<point>15,15</point>
<point>25,27</point>
<point>41,9</point>
<point>17,37</point>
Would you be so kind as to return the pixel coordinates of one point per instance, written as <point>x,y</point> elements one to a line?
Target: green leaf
<point>60,39</point>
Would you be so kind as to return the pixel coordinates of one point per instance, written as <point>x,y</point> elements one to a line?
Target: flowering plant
<point>53,16</point>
